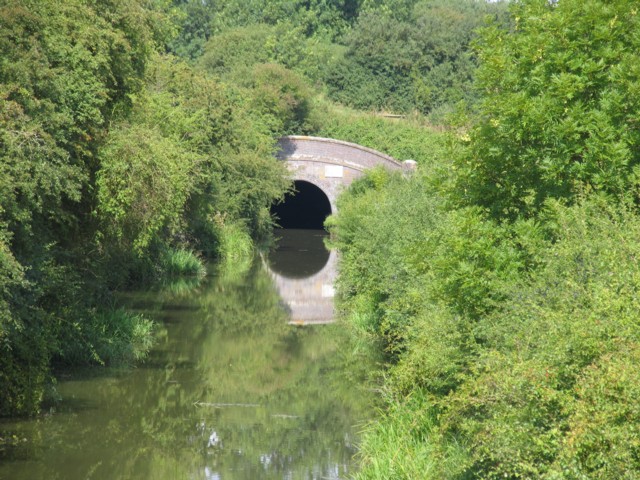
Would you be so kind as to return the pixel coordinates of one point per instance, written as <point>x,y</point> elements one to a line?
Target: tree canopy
<point>112,156</point>
<point>559,113</point>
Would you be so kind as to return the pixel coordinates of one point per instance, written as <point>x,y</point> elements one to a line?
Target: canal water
<point>248,380</point>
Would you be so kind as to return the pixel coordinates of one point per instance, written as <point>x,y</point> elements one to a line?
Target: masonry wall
<point>332,165</point>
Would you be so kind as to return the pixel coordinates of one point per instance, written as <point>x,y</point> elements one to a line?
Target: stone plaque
<point>333,171</point>
<point>328,291</point>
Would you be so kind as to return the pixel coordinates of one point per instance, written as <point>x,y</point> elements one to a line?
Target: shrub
<point>560,98</point>
<point>107,337</point>
<point>551,394</point>
<point>181,262</point>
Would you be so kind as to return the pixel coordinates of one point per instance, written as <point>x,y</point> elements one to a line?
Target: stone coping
<point>331,141</point>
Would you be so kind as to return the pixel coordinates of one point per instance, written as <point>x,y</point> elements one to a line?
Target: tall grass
<point>182,262</point>
<point>110,337</point>
<point>402,444</point>
<point>236,247</point>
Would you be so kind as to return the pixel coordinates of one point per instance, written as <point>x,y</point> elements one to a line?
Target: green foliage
<point>236,250</point>
<point>375,248</point>
<point>510,314</point>
<point>402,56</point>
<point>196,151</point>
<point>237,50</point>
<point>281,96</point>
<point>521,338</point>
<point>401,445</point>
<point>419,60</point>
<point>421,274</point>
<point>378,61</point>
<point>233,53</point>
<point>23,372</point>
<point>194,18</point>
<point>560,103</point>
<point>109,337</point>
<point>182,262</point>
<point>316,18</point>
<point>470,260</point>
<point>11,278</point>
<point>539,400</point>
<point>143,184</point>
<point>67,70</point>
<point>402,139</point>
<point>110,155</point>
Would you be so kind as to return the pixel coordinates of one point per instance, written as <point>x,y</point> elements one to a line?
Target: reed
<point>182,262</point>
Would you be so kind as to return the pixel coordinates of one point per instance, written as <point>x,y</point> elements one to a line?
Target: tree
<point>410,55</point>
<point>560,108</point>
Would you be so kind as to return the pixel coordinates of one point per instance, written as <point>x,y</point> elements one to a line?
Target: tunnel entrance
<point>306,207</point>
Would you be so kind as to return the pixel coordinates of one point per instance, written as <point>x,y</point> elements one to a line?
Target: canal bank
<point>231,390</point>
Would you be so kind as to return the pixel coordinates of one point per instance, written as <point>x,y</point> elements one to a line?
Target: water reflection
<point>303,271</point>
<point>231,391</point>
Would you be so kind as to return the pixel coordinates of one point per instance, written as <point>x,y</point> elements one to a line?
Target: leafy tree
<point>195,21</point>
<point>109,156</point>
<point>191,153</point>
<point>236,50</point>
<point>375,72</point>
<point>559,113</point>
<point>419,59</point>
<point>143,184</point>
<point>201,20</point>
<point>67,69</point>
<point>282,96</point>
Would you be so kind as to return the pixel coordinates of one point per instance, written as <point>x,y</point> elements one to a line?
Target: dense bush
<point>201,20</point>
<point>509,306</point>
<point>551,393</point>
<point>400,55</point>
<point>232,54</point>
<point>420,60</point>
<point>513,347</point>
<point>67,71</point>
<point>190,151</point>
<point>559,108</point>
<point>111,155</point>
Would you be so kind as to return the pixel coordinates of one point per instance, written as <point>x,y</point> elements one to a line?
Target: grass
<point>236,246</point>
<point>108,337</point>
<point>182,262</point>
<point>412,138</point>
<point>400,445</point>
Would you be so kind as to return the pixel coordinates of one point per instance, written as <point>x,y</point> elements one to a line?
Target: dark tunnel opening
<point>306,207</point>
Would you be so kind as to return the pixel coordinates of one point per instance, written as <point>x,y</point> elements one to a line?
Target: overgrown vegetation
<point>118,162</point>
<point>400,56</point>
<point>182,262</point>
<point>409,138</point>
<point>502,278</point>
<point>411,58</point>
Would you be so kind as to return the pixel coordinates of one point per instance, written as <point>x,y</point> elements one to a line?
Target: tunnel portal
<point>306,207</point>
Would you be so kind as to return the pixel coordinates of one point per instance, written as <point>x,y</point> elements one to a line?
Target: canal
<point>249,379</point>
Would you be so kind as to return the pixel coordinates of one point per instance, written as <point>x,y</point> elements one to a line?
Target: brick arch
<point>330,164</point>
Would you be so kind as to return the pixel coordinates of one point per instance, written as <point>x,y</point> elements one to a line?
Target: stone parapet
<point>333,151</point>
<point>329,164</point>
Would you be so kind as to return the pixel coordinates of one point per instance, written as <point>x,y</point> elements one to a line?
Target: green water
<point>230,391</point>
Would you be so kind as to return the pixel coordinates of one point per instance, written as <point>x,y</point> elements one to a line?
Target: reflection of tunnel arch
<point>307,207</point>
<point>300,253</point>
<point>308,300</point>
